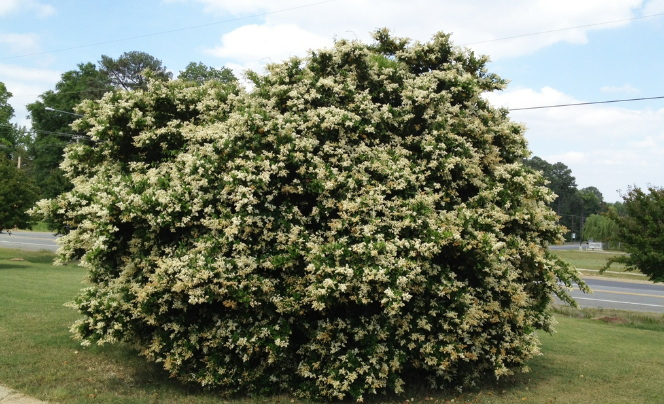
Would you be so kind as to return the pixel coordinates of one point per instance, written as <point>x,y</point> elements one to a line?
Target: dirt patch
<point>16,259</point>
<point>612,320</point>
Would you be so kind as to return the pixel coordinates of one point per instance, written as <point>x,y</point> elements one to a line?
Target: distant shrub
<point>361,214</point>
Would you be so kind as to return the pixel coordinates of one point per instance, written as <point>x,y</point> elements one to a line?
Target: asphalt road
<point>574,246</point>
<point>622,295</point>
<point>28,240</point>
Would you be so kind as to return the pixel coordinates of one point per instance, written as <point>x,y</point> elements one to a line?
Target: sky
<point>609,146</point>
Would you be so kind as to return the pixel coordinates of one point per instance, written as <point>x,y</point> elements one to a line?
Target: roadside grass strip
<point>589,360</point>
<point>582,270</point>
<point>590,263</point>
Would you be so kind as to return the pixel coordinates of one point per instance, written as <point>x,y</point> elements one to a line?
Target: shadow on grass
<point>11,265</point>
<point>127,369</point>
<point>121,366</point>
<point>35,257</point>
<point>41,257</point>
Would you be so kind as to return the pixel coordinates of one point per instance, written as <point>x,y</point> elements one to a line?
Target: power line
<point>563,29</point>
<point>289,9</point>
<point>311,5</point>
<point>46,131</point>
<point>171,31</point>
<point>587,103</point>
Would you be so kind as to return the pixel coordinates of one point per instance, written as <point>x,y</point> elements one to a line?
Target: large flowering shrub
<point>361,214</point>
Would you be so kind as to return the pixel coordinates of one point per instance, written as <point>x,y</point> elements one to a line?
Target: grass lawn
<point>596,260</point>
<point>586,361</point>
<point>40,226</point>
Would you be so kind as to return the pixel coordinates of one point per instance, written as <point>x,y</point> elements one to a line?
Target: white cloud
<point>609,147</point>
<point>478,21</point>
<point>26,84</point>
<point>12,6</point>
<point>526,97</point>
<point>20,42</point>
<point>257,44</point>
<point>21,73</point>
<point>627,89</point>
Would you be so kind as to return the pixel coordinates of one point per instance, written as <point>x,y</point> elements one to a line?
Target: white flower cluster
<point>361,214</point>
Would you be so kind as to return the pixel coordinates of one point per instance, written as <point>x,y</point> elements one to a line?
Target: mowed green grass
<point>595,260</point>
<point>40,227</point>
<point>586,361</point>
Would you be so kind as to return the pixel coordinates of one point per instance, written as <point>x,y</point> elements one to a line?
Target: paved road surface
<point>567,246</point>
<point>615,294</point>
<point>28,240</point>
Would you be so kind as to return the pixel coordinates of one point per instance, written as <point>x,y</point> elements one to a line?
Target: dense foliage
<point>9,132</point>
<point>642,232</point>
<point>560,181</point>
<point>362,214</point>
<point>200,73</point>
<point>6,110</point>
<point>17,196</point>
<point>601,228</point>
<point>126,72</point>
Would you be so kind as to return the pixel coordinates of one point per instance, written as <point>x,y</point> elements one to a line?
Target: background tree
<point>200,73</point>
<point>601,228</point>
<point>642,232</point>
<point>571,204</point>
<point>7,129</point>
<point>567,203</point>
<point>52,130</point>
<point>14,139</point>
<point>582,204</point>
<point>17,194</point>
<point>618,207</point>
<point>126,71</point>
<point>593,201</point>
<point>560,179</point>
<point>6,110</point>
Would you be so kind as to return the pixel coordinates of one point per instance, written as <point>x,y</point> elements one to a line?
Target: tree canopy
<point>572,205</point>
<point>6,110</point>
<point>642,232</point>
<point>559,177</point>
<point>200,73</point>
<point>14,139</point>
<point>127,71</point>
<point>362,214</point>
<point>592,201</point>
<point>8,131</point>
<point>17,196</point>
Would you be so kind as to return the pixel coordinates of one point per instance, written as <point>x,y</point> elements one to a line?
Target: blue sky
<point>607,146</point>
